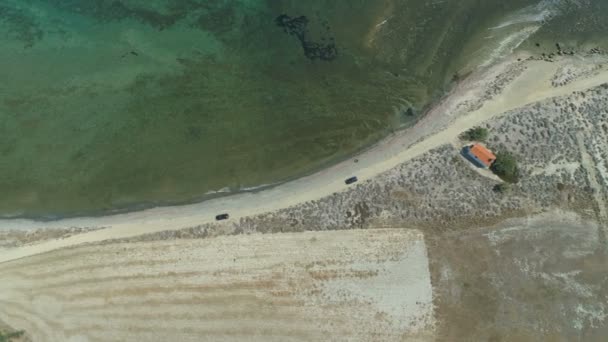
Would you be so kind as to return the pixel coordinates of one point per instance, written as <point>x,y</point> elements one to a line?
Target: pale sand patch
<point>554,168</point>
<point>355,285</point>
<point>441,126</point>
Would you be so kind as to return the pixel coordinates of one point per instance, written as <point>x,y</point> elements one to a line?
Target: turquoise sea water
<point>113,104</point>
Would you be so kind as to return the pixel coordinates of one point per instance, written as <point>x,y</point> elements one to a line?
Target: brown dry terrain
<point>358,285</point>
<point>543,278</point>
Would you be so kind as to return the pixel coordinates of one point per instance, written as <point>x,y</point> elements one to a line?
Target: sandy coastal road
<point>438,128</point>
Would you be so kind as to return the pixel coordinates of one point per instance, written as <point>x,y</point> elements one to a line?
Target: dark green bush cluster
<point>475,134</point>
<point>505,167</point>
<point>8,337</point>
<point>502,188</point>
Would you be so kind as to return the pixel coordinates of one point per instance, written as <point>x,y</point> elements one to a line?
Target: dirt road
<point>357,285</point>
<point>531,86</point>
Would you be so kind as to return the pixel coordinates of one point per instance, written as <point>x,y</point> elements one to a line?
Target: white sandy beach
<point>442,125</point>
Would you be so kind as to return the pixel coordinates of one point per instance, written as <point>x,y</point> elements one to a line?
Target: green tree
<point>506,167</point>
<point>475,134</point>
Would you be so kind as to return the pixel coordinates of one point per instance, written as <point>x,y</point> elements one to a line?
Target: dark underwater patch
<point>298,27</point>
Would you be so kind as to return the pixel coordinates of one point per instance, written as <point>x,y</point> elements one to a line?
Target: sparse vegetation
<point>502,188</point>
<point>475,134</point>
<point>506,167</point>
<point>10,336</point>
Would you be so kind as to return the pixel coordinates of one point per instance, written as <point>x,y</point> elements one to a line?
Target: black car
<point>221,217</point>
<point>350,180</point>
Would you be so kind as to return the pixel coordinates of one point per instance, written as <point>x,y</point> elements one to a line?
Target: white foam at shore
<point>508,45</point>
<point>538,13</point>
<point>533,16</point>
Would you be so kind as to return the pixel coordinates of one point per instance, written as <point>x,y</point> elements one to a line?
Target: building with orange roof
<point>479,155</point>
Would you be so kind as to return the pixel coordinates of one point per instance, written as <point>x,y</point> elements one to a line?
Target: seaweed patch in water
<point>297,27</point>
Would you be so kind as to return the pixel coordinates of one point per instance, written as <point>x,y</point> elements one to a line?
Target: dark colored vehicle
<point>350,180</point>
<point>221,217</point>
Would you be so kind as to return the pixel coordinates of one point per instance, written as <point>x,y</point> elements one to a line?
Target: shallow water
<point>108,105</point>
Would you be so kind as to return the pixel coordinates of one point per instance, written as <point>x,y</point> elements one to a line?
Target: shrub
<point>505,167</point>
<point>475,134</point>
<point>7,337</point>
<point>502,188</point>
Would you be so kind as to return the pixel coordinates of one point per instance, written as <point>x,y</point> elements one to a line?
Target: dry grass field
<point>356,285</point>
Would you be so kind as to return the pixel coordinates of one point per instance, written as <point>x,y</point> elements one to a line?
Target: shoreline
<point>208,196</point>
<point>39,211</point>
<point>226,191</point>
<point>440,126</point>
